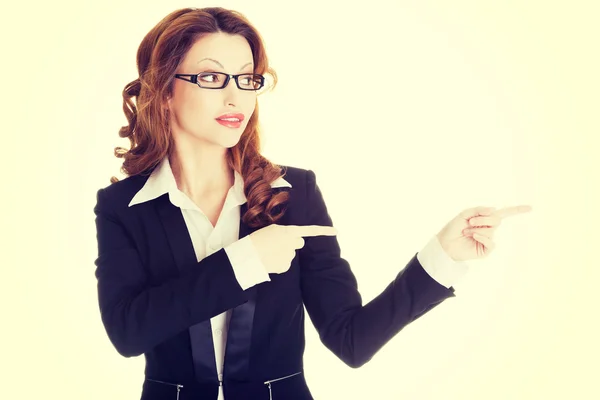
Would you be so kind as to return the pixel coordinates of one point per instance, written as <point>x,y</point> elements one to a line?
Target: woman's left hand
<point>470,235</point>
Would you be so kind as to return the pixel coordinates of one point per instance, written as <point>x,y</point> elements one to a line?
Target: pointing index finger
<point>311,230</point>
<point>510,211</point>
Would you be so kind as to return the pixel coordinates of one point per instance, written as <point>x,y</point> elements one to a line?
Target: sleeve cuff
<point>439,265</point>
<point>247,267</point>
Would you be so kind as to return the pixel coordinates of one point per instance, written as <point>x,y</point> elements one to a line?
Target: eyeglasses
<point>219,80</point>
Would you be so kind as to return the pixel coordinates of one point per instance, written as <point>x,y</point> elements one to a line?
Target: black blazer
<point>156,299</point>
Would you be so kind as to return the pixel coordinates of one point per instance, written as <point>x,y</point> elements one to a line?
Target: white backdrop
<point>465,103</point>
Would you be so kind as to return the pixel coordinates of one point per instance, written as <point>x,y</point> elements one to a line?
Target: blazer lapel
<point>201,339</point>
<point>177,233</point>
<point>239,335</point>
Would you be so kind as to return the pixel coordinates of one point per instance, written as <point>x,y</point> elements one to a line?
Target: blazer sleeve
<point>352,331</point>
<point>138,316</point>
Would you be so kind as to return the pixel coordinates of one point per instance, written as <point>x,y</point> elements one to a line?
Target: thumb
<point>475,211</point>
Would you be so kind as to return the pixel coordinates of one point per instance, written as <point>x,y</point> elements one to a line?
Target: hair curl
<point>159,54</point>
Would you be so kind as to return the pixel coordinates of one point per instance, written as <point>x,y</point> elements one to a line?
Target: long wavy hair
<point>158,57</point>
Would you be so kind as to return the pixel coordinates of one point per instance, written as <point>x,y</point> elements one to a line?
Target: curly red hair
<point>159,54</point>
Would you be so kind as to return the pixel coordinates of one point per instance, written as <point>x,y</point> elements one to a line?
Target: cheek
<point>248,106</point>
<point>197,108</point>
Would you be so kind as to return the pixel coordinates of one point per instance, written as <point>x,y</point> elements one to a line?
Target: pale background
<point>417,111</point>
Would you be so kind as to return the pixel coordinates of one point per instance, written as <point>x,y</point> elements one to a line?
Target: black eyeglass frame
<point>193,78</point>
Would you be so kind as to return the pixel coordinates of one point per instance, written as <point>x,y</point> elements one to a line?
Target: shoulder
<point>117,195</point>
<point>308,199</point>
<point>298,177</point>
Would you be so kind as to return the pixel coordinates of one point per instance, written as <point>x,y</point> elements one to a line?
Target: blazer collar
<point>162,181</point>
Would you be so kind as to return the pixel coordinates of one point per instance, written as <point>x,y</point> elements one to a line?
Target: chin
<point>230,145</point>
<point>219,138</point>
<point>230,142</point>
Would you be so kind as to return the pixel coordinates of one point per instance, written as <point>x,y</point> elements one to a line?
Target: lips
<point>232,117</point>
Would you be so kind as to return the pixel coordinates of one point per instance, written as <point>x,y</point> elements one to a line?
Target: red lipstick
<point>231,120</point>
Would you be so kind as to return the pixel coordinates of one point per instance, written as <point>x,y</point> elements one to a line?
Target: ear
<point>166,104</point>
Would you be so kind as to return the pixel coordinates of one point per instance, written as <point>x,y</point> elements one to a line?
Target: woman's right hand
<point>276,244</point>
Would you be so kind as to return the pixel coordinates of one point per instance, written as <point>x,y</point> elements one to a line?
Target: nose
<point>231,92</point>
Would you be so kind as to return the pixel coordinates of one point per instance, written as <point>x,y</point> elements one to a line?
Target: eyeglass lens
<point>216,80</point>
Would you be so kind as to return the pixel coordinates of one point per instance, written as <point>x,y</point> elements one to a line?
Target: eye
<point>250,81</point>
<point>209,77</point>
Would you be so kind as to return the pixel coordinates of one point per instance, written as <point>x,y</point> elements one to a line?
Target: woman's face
<point>194,110</point>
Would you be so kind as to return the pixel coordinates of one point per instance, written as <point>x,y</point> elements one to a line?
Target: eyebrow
<point>220,65</point>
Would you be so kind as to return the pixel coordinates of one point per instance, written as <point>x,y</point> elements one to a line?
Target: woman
<point>208,253</point>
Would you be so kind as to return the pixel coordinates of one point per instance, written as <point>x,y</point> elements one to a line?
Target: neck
<point>201,170</point>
